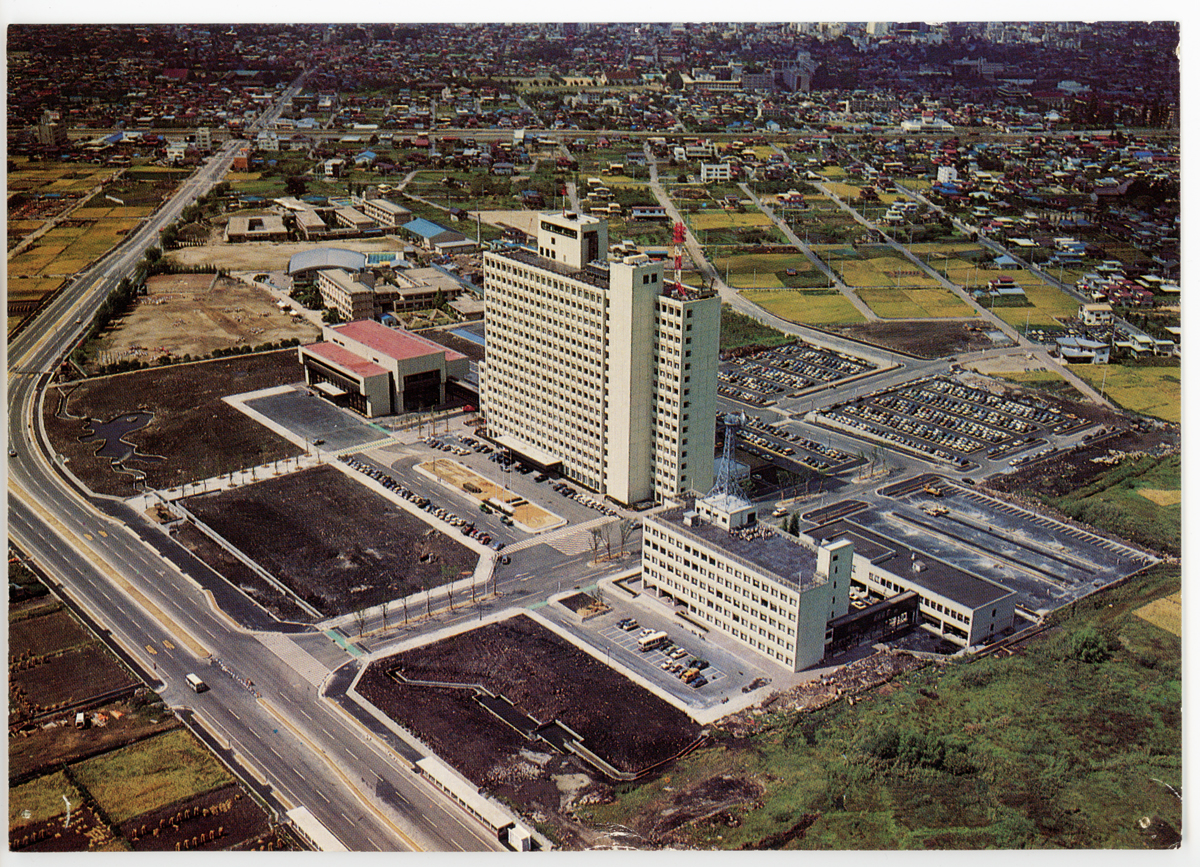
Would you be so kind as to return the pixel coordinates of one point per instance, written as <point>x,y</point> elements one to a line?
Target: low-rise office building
<point>388,215</point>
<point>962,608</point>
<point>379,371</point>
<point>721,569</point>
<point>266,227</point>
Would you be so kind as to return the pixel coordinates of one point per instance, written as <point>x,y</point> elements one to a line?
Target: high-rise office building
<point>600,368</point>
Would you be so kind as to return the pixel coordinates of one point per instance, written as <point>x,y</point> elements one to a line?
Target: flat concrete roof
<point>791,563</point>
<point>935,575</point>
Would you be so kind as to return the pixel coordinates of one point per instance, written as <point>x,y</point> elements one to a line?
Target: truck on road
<point>196,683</point>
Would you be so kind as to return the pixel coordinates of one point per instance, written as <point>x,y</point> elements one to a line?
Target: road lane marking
<point>275,751</point>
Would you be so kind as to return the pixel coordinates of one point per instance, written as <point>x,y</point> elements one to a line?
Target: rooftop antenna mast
<point>679,257</point>
<point>726,485</point>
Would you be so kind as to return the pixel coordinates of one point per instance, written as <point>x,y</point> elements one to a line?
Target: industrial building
<point>600,368</point>
<point>376,371</point>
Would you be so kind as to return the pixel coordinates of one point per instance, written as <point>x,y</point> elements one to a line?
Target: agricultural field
<point>767,270</point>
<point>1006,752</point>
<point>706,220</point>
<point>817,307</point>
<point>160,770</point>
<point>933,303</point>
<point>1154,391</point>
<point>874,268</point>
<point>1049,305</point>
<point>54,664</point>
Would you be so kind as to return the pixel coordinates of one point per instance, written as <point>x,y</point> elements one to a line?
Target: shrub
<point>1088,645</point>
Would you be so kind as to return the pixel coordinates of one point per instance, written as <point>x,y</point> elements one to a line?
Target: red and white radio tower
<point>679,258</point>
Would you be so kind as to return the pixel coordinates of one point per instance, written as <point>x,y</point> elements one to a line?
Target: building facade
<point>772,593</point>
<point>376,370</point>
<point>598,367</point>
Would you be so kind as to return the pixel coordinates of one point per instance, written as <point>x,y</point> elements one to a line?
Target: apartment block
<point>599,368</point>
<point>719,568</point>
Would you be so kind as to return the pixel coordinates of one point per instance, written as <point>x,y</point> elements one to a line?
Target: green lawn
<point>1152,391</point>
<point>150,773</point>
<point>806,307</point>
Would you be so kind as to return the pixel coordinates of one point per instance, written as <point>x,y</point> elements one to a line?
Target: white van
<point>196,683</point>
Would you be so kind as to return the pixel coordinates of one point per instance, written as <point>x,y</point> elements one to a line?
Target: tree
<point>295,185</point>
<point>333,317</point>
<point>383,610</point>
<point>626,528</point>
<point>597,536</point>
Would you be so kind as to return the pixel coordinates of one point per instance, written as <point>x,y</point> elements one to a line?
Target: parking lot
<point>674,659</point>
<point>761,378</point>
<point>944,419</point>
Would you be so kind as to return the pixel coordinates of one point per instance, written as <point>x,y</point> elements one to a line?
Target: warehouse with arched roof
<point>307,263</point>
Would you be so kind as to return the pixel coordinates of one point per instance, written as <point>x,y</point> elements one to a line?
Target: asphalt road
<point>260,712</point>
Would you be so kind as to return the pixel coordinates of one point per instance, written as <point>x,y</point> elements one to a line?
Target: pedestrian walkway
<point>295,657</point>
<point>565,539</point>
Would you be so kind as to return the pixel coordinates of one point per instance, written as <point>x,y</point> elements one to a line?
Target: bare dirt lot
<point>269,255</point>
<point>1075,469</point>
<point>195,314</point>
<point>336,544</point>
<point>548,678</point>
<point>923,339</point>
<point>194,433</point>
<point>239,574</point>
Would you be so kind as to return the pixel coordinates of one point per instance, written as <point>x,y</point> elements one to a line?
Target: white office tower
<point>599,368</point>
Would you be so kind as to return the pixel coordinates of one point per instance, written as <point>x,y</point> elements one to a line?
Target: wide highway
<point>261,713</point>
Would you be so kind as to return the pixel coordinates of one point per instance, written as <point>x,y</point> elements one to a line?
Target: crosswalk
<point>295,657</point>
<point>573,539</point>
<point>365,447</point>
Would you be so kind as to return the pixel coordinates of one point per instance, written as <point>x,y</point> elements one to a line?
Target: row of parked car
<point>458,445</point>
<point>689,673</point>
<point>424,503</point>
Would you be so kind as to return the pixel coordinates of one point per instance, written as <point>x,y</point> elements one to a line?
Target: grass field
<point>806,307</point>
<point>915,303</point>
<point>738,329</point>
<point>159,770</point>
<point>1152,391</point>
<point>1042,380</point>
<point>42,797</point>
<point>1060,746</point>
<point>1115,501</point>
